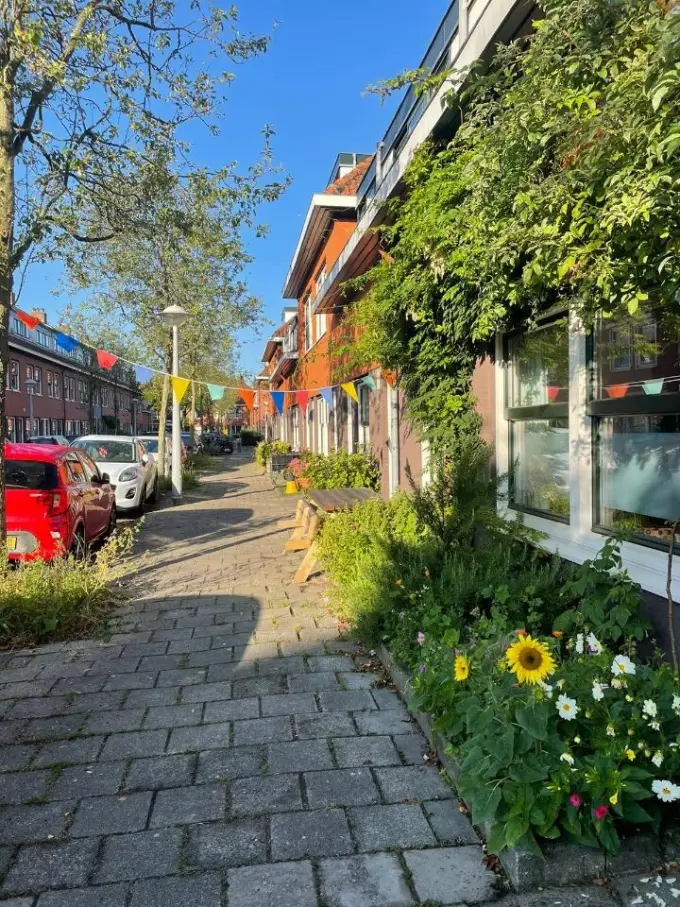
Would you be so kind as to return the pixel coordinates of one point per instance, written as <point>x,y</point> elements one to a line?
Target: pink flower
<point>421,669</point>
<point>575,800</point>
<point>601,812</point>
<point>420,638</point>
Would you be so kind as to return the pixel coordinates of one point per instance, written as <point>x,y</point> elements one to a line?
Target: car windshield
<point>45,440</point>
<point>151,445</point>
<point>107,451</point>
<point>31,474</point>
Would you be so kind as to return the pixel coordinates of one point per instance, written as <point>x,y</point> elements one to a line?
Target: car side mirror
<point>145,459</point>
<point>106,479</point>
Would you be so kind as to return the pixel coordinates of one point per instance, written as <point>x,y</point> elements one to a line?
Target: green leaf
<point>534,720</point>
<point>485,804</point>
<point>495,842</point>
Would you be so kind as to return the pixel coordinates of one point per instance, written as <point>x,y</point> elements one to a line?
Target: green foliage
<point>190,479</point>
<point>250,438</point>
<point>265,449</point>
<point>199,461</point>
<point>561,183</point>
<point>341,470</point>
<point>67,599</point>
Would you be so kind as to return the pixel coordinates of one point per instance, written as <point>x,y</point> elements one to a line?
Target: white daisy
<point>567,707</point>
<point>655,726</point>
<point>649,708</point>
<point>657,758</point>
<point>611,730</point>
<point>578,647</point>
<point>666,791</point>
<point>598,690</point>
<point>622,665</point>
<point>594,644</point>
<point>567,757</point>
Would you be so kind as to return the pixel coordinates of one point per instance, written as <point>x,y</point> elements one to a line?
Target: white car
<point>133,473</point>
<point>150,443</point>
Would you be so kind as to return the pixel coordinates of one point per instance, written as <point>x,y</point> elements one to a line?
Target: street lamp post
<point>174,317</point>
<point>31,385</point>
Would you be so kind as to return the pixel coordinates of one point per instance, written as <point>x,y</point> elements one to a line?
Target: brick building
<point>71,395</point>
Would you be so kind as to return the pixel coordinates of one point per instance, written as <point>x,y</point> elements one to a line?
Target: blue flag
<point>65,342</point>
<point>277,399</point>
<point>143,374</point>
<point>216,392</point>
<point>327,394</point>
<point>369,382</point>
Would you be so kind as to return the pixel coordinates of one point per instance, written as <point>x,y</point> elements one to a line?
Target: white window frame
<point>322,426</point>
<point>576,540</point>
<point>309,324</point>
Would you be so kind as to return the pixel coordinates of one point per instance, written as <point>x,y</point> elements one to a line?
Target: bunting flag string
<point>302,398</point>
<point>369,382</point>
<point>389,377</point>
<point>553,393</point>
<point>277,399</point>
<point>351,391</point>
<point>653,387</point>
<point>65,341</point>
<point>326,393</point>
<point>106,360</point>
<point>247,395</point>
<point>216,392</point>
<point>179,387</point>
<point>617,391</point>
<point>31,321</point>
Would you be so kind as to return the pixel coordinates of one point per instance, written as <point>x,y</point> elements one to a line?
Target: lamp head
<point>174,316</point>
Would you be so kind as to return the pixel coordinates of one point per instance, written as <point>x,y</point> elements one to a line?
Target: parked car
<point>57,500</point>
<point>134,474</point>
<point>48,439</point>
<point>150,443</point>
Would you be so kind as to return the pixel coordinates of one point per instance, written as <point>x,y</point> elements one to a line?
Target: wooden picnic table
<point>333,499</point>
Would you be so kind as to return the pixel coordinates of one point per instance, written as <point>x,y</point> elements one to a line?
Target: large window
<point>636,426</point>
<point>537,409</point>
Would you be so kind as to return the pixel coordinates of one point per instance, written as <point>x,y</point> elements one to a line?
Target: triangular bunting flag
<point>302,398</point>
<point>553,393</point>
<point>65,342</point>
<point>277,400</point>
<point>216,392</point>
<point>247,396</point>
<point>369,382</point>
<point>327,394</point>
<point>30,321</point>
<point>350,390</point>
<point>106,360</point>
<point>143,374</point>
<point>653,387</point>
<point>179,387</point>
<point>389,377</point>
<point>616,391</point>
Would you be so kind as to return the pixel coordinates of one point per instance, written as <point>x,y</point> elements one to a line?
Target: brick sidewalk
<point>220,749</point>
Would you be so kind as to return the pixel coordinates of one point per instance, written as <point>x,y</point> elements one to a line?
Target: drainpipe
<point>394,439</point>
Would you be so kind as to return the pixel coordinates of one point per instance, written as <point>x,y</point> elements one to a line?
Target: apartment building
<point>66,392</point>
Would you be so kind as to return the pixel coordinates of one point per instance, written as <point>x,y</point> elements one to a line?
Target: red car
<point>57,502</point>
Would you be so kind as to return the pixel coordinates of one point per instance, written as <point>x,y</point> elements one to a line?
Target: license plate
<point>11,542</point>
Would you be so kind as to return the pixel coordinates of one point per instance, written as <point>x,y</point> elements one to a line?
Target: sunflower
<point>530,660</point>
<point>461,668</point>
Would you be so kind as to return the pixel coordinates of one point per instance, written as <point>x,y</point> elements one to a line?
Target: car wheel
<point>113,522</point>
<point>153,498</point>
<point>142,503</point>
<point>79,546</point>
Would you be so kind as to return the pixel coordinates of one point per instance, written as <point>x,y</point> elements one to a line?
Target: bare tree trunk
<point>6,269</point>
<point>162,416</point>
<point>192,427</point>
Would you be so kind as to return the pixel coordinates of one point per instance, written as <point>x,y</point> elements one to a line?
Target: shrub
<point>202,461</point>
<point>341,470</point>
<point>249,437</point>
<point>262,453</point>
<point>66,599</point>
<point>189,479</point>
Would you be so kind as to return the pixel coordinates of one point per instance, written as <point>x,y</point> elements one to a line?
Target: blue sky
<point>308,86</point>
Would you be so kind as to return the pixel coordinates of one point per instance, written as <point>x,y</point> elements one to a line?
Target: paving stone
<point>6,854</point>
<point>161,663</point>
<point>18,902</point>
<point>298,756</point>
<point>412,748</point>
<point>282,885</point>
<point>96,702</point>
<point>318,833</point>
<point>354,680</point>
<point>160,772</point>
<point>33,823</point>
<point>195,739</point>
<point>54,728</point>
<point>151,698</point>
<point>183,678</point>
<point>134,744</point>
<point>225,765</point>
<point>169,633</point>
<point>289,704</point>
<point>451,875</point>
<point>449,824</point>
<point>393,721</point>
<point>20,787</point>
<point>330,663</point>
<point>102,896</point>
<point>108,722</point>
<point>330,724</point>
<point>115,666</point>
<point>188,805</point>
<point>342,787</point>
<point>231,710</point>
<point>27,689</point>
<point>140,855</point>
<point>200,890</point>
<point>138,681</point>
<point>174,715</point>
<point>38,708</point>
<point>262,730</point>
<point>13,758</point>
<point>217,661</point>
<point>565,897</point>
<point>391,827</point>
<point>40,866</point>
<point>261,795</point>
<point>411,782</point>
<point>351,751</point>
<point>268,666</point>
<point>94,780</point>
<point>68,752</point>
<point>184,646</point>
<point>367,881</point>
<point>64,669</point>
<point>219,844</point>
<point>207,692</point>
<point>387,700</point>
<point>111,815</point>
<point>258,686</point>
<point>312,683</point>
<point>143,650</point>
<point>346,701</point>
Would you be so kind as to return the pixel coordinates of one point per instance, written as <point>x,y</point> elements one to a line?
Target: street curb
<point>563,862</point>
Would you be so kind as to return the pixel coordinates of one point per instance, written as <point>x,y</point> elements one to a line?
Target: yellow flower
<point>530,660</point>
<point>630,755</point>
<point>462,668</point>
<point>614,799</point>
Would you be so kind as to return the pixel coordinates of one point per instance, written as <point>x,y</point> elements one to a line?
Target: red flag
<point>106,360</point>
<point>302,397</point>
<point>30,321</point>
<point>389,377</point>
<point>553,393</point>
<point>247,396</point>
<point>616,391</point>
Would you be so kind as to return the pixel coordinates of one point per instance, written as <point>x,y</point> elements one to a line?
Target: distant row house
<point>50,391</point>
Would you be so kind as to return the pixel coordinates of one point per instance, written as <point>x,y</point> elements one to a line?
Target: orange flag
<point>247,396</point>
<point>390,377</point>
